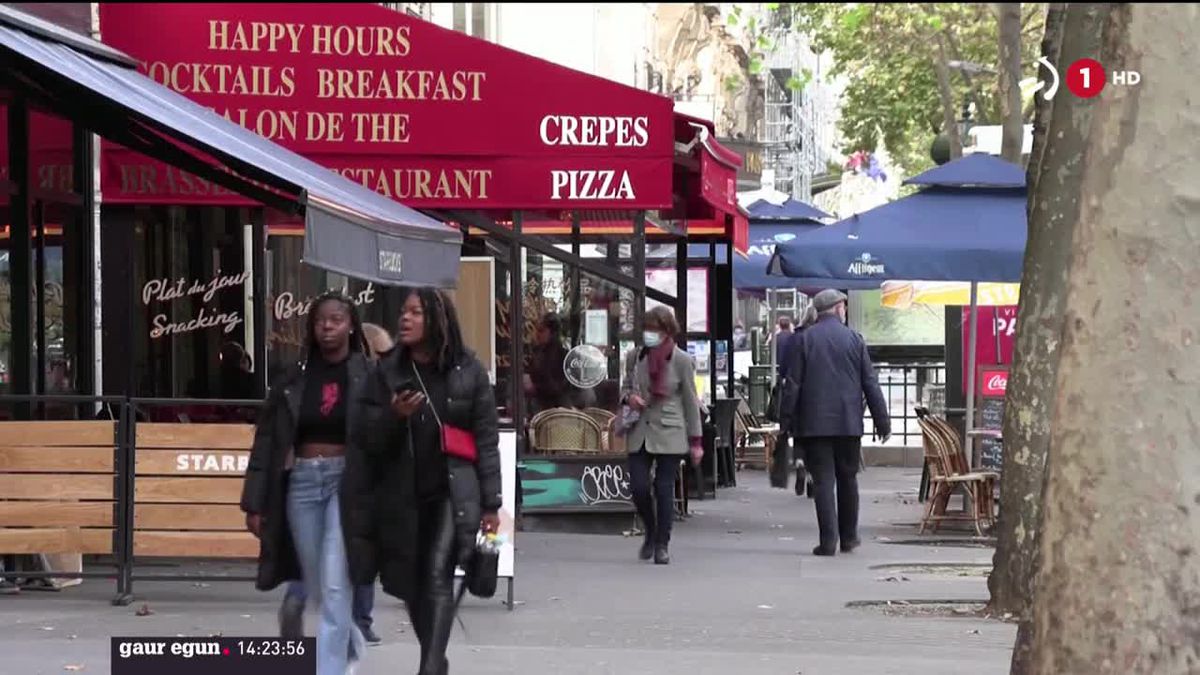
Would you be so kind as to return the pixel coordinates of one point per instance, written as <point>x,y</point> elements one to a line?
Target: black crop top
<point>323,405</point>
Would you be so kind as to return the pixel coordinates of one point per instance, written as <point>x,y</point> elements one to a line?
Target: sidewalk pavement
<point>743,594</point>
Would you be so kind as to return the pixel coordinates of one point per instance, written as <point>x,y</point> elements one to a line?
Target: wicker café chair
<point>605,419</point>
<point>564,430</point>
<point>948,474</point>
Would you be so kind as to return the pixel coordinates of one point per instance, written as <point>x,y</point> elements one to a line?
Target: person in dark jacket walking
<point>307,485</point>
<point>802,481</point>
<point>546,382</point>
<point>291,610</point>
<point>829,376</point>
<point>435,406</point>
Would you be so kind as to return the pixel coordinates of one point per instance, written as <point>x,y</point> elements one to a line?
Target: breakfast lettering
<point>368,90</point>
<point>280,83</point>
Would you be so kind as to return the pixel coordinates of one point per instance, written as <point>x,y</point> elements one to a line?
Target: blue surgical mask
<point>652,339</point>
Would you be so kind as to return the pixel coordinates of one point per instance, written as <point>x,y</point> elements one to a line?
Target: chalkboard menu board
<point>991,454</point>
<point>991,416</point>
<point>991,413</point>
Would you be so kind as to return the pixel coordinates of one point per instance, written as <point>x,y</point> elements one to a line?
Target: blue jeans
<point>316,524</point>
<point>364,601</point>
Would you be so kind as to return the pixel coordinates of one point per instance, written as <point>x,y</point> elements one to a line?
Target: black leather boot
<point>440,623</point>
<point>647,550</point>
<point>661,555</point>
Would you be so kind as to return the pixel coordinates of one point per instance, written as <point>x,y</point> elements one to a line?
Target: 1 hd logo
<point>1085,78</point>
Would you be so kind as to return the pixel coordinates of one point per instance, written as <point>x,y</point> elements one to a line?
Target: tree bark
<point>1012,129</point>
<point>947,96</point>
<point>1119,589</point>
<point>1028,407</point>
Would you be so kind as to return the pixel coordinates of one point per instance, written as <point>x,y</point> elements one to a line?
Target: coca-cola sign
<point>995,384</point>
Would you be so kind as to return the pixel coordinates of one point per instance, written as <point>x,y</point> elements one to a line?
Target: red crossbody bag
<point>457,443</point>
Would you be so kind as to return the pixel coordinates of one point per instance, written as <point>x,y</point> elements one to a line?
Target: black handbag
<point>482,570</point>
<point>774,403</point>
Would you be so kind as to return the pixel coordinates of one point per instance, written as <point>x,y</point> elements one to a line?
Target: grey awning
<point>348,228</point>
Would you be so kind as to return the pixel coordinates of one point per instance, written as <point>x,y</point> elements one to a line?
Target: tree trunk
<point>1119,589</point>
<point>1014,573</point>
<point>947,95</point>
<point>1028,406</point>
<point>1012,130</point>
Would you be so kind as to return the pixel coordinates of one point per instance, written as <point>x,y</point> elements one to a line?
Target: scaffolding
<point>795,135</point>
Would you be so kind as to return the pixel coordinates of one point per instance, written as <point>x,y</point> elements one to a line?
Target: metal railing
<point>905,387</point>
<point>124,412</point>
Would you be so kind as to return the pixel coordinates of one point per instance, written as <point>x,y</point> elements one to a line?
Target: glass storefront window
<point>58,351</point>
<point>697,294</point>
<point>292,287</point>
<point>194,336</point>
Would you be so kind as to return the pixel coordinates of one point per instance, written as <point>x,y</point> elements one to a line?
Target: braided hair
<point>443,334</point>
<point>357,337</point>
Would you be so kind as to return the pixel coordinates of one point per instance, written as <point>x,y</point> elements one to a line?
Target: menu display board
<point>992,386</point>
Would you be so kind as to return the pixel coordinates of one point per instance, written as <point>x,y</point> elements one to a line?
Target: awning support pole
<point>516,342</point>
<point>972,341</point>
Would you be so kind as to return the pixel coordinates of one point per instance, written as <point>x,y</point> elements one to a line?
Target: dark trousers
<point>432,609</point>
<point>833,463</point>
<point>661,493</point>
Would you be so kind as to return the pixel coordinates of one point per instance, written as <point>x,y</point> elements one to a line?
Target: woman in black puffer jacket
<point>431,502</point>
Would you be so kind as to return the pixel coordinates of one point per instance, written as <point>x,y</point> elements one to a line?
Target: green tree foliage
<point>886,54</point>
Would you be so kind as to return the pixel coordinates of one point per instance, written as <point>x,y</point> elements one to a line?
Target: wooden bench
<point>57,487</point>
<point>187,487</point>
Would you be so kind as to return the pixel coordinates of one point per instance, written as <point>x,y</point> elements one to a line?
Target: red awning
<point>427,116</point>
<point>713,167</point>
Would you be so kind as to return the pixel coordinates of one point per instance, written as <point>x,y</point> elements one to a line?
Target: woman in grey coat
<point>661,387</point>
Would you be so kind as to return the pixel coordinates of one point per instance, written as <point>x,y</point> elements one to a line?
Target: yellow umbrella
<point>905,294</point>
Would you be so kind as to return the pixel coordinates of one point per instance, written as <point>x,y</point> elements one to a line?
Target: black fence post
<point>124,525</point>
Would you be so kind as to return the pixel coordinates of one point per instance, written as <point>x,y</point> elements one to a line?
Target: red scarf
<point>658,358</point>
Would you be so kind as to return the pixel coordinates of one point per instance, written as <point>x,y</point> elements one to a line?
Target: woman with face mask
<point>662,388</point>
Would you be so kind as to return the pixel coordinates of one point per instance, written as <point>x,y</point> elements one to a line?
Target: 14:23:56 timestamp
<point>271,647</point>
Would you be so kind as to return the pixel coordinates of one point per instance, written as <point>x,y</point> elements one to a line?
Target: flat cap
<point>828,299</point>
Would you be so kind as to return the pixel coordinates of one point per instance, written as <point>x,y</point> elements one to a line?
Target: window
<point>194,334</point>
<point>478,20</point>
<point>474,19</point>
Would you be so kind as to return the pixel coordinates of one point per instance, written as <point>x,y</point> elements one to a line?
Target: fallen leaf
<point>245,616</point>
<point>555,599</point>
<point>144,610</point>
<point>973,632</point>
<point>47,627</point>
<point>766,606</point>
